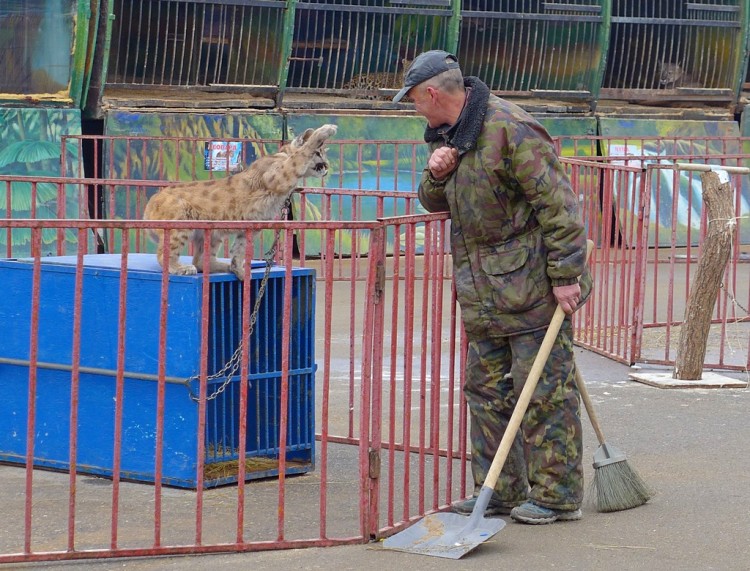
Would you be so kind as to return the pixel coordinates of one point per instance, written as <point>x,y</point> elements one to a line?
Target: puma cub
<point>674,75</point>
<point>257,193</point>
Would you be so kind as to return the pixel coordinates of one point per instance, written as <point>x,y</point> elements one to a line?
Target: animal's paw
<point>186,270</point>
<point>238,269</point>
<point>214,266</point>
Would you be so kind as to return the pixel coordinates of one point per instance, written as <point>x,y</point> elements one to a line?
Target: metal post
<point>605,29</point>
<point>286,47</point>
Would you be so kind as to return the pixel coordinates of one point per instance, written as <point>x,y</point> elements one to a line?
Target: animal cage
<point>532,47</point>
<point>43,50</point>
<point>189,44</point>
<point>675,49</point>
<point>361,48</point>
<point>96,409</point>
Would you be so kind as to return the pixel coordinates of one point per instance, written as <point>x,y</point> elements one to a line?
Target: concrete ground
<point>690,445</point>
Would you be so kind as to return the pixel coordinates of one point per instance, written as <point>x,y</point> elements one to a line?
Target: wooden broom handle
<point>586,398</point>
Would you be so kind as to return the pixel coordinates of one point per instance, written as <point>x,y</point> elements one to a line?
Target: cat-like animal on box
<point>257,193</point>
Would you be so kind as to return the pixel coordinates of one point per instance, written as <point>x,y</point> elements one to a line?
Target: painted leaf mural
<point>33,148</point>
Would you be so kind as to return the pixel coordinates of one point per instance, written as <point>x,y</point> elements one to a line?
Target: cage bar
<point>527,47</point>
<point>361,48</point>
<point>675,49</point>
<point>221,44</point>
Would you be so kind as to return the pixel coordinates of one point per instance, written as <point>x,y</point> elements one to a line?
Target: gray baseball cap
<point>426,65</point>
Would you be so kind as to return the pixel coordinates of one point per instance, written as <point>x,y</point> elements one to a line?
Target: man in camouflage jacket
<point>519,249</point>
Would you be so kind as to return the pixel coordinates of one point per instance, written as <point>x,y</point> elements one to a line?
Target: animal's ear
<point>325,132</point>
<point>300,139</point>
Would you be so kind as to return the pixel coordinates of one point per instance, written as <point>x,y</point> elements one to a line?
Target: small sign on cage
<point>222,156</point>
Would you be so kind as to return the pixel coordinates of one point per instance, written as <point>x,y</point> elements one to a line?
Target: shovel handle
<point>528,390</point>
<point>525,397</point>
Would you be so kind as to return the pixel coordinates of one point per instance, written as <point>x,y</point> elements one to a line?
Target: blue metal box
<point>98,362</point>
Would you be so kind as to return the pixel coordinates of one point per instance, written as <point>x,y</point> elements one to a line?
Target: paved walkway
<point>690,445</point>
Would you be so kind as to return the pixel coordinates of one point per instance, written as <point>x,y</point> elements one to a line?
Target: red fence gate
<point>117,381</point>
<point>648,222</point>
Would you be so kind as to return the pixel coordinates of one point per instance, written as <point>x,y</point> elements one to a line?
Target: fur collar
<point>464,133</point>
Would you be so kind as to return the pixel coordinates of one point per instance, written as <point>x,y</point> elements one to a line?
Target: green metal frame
<point>87,23</point>
<point>103,61</point>
<point>604,33</point>
<point>288,39</point>
<point>743,62</point>
<point>286,46</point>
<point>93,23</point>
<point>79,71</point>
<point>454,27</point>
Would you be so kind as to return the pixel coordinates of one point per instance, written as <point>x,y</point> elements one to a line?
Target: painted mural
<point>31,147</point>
<point>178,147</point>
<point>675,195</point>
<point>173,146</point>
<point>386,153</point>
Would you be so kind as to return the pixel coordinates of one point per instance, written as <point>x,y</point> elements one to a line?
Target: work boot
<point>534,514</point>
<point>494,508</point>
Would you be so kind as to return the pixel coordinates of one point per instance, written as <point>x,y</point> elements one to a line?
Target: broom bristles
<point>619,487</point>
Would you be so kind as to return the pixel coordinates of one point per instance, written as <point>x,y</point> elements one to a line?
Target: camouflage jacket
<point>515,225</point>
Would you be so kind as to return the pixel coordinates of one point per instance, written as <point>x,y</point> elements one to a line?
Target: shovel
<point>452,535</point>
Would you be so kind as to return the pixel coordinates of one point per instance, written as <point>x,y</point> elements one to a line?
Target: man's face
<point>424,103</point>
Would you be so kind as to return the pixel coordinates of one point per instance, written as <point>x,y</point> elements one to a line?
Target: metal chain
<point>230,368</point>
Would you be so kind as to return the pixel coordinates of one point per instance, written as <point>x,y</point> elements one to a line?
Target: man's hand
<point>442,162</point>
<point>568,297</point>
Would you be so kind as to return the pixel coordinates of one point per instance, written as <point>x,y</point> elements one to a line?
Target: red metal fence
<point>652,301</point>
<point>389,427</point>
<point>390,433</point>
<point>648,221</point>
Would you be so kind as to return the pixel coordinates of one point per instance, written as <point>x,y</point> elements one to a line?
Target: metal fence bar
<point>74,392</point>
<point>163,540</point>
<point>630,351</point>
<point>372,379</point>
<point>31,419</point>
<point>421,400</point>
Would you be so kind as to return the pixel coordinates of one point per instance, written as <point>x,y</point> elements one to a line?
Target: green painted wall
<point>32,146</point>
<point>135,155</point>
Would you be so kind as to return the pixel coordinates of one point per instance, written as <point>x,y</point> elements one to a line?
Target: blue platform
<point>98,363</point>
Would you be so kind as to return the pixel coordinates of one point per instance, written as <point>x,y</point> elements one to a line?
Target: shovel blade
<point>446,535</point>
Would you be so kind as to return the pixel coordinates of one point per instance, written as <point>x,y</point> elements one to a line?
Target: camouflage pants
<point>544,463</point>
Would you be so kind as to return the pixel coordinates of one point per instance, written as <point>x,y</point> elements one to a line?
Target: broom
<point>618,487</point>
